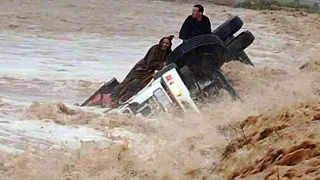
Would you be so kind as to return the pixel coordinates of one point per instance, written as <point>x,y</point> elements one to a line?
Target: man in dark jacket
<point>195,24</point>
<point>141,74</point>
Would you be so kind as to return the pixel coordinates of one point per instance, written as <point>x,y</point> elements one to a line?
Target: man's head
<point>197,11</point>
<point>166,42</point>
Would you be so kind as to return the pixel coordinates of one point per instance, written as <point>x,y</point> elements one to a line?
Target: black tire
<point>208,43</point>
<point>237,45</point>
<point>242,57</point>
<point>228,28</point>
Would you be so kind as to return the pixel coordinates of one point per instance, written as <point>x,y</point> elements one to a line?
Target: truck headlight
<point>175,89</point>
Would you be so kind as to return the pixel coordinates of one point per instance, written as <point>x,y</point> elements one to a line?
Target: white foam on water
<point>40,134</point>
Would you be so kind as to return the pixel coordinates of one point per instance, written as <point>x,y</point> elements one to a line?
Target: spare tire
<point>228,28</point>
<point>186,52</point>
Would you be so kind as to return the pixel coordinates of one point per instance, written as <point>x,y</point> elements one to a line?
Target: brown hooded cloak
<point>139,75</point>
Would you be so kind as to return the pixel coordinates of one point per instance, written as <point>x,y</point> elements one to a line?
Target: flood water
<point>68,71</point>
<point>41,77</point>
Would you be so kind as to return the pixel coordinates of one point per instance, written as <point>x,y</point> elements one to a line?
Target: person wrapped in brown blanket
<point>141,74</point>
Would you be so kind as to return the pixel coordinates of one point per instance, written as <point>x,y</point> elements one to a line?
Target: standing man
<point>195,24</point>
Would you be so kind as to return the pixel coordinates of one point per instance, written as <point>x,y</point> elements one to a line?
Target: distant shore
<point>312,6</point>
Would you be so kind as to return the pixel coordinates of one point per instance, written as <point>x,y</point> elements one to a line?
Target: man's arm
<point>208,29</point>
<point>184,31</point>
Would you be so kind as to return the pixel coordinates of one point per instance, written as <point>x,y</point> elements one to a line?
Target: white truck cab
<point>164,92</point>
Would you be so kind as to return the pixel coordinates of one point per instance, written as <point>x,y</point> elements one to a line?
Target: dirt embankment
<point>282,143</point>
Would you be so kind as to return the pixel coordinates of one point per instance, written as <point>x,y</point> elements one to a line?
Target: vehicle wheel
<point>243,57</point>
<point>236,46</point>
<point>228,28</point>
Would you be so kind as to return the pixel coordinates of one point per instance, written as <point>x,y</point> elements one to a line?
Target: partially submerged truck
<point>192,74</point>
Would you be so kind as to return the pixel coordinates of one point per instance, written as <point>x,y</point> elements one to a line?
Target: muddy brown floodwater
<point>54,53</point>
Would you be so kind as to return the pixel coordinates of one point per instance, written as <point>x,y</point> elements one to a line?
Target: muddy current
<point>54,54</point>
